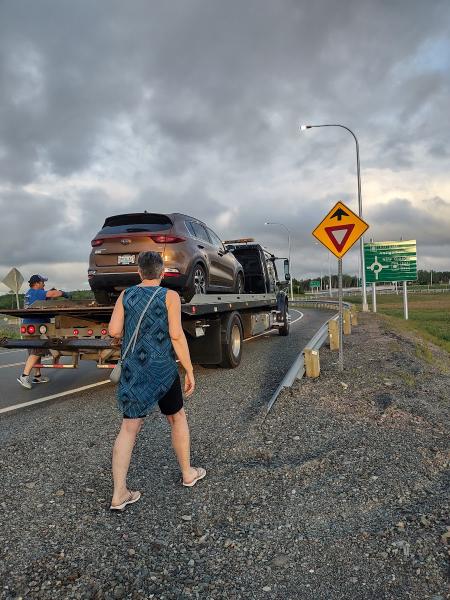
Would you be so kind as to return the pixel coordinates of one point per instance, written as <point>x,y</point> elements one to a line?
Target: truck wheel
<point>103,297</point>
<point>284,330</point>
<point>232,339</point>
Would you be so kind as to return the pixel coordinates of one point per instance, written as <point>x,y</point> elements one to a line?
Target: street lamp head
<point>305,127</point>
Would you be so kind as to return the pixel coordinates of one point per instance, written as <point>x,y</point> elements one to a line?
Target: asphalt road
<point>277,352</point>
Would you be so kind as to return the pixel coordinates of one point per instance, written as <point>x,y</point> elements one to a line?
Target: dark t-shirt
<point>32,296</point>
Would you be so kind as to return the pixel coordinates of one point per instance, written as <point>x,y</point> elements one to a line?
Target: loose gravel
<point>340,493</point>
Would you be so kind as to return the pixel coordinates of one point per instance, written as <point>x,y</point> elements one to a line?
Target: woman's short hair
<point>151,265</point>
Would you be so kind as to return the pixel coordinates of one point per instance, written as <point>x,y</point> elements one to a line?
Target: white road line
<point>52,397</point>
<point>11,351</point>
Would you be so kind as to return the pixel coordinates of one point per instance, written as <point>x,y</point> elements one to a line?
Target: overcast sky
<point>195,106</point>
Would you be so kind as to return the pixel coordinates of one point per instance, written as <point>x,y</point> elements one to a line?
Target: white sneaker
<point>25,382</point>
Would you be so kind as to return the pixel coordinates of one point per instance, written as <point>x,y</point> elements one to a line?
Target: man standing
<point>35,293</point>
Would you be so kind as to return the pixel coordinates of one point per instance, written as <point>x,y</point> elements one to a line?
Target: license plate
<point>126,259</point>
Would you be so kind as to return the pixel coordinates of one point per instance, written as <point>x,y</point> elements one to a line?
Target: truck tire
<point>232,338</point>
<point>284,330</point>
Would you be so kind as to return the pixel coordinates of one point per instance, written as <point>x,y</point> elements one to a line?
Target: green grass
<point>429,315</point>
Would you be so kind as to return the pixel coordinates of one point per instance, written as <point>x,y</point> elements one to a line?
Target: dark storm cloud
<point>212,94</point>
<point>37,228</point>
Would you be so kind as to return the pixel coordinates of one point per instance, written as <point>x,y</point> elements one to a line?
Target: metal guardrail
<point>298,368</point>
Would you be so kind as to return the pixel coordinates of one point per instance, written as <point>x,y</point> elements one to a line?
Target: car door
<point>223,261</point>
<point>206,249</point>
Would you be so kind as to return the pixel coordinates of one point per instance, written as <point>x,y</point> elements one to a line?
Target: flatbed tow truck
<point>215,325</point>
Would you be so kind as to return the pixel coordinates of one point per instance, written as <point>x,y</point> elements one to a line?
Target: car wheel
<point>103,297</point>
<point>197,284</point>
<point>239,285</point>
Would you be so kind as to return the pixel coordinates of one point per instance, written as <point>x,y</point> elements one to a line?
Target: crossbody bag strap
<point>133,338</point>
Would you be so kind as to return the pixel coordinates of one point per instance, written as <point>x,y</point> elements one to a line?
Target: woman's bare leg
<point>181,444</point>
<point>123,448</point>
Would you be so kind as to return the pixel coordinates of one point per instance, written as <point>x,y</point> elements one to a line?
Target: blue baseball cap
<point>37,279</point>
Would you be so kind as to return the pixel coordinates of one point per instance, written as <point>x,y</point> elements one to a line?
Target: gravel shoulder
<point>340,493</point>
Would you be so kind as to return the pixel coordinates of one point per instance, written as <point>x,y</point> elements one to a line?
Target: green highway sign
<point>314,284</point>
<point>390,261</point>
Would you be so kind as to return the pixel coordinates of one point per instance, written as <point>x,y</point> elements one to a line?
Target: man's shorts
<point>38,352</point>
<point>170,403</point>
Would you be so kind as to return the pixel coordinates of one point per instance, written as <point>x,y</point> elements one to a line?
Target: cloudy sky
<point>195,106</point>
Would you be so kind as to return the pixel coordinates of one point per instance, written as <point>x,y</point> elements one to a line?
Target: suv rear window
<point>136,222</point>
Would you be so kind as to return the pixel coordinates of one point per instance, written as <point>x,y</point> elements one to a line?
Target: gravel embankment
<point>341,493</point>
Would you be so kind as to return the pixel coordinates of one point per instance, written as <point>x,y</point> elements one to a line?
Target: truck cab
<point>260,269</point>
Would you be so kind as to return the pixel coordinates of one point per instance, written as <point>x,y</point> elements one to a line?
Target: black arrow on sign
<point>339,214</point>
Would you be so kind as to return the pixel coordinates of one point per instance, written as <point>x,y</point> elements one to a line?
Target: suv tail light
<point>167,239</point>
<point>23,329</point>
<point>31,329</point>
<point>96,243</point>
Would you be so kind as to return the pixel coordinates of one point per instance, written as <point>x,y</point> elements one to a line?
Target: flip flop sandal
<point>132,498</point>
<point>200,474</point>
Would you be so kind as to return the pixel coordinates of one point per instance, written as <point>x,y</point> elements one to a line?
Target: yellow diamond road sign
<point>340,229</point>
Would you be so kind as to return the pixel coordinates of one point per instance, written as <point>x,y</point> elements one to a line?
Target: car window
<point>190,228</point>
<point>134,222</point>
<point>215,239</point>
<point>200,232</point>
<point>271,270</point>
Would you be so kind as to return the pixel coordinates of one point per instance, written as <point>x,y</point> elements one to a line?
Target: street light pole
<point>289,254</point>
<point>365,306</point>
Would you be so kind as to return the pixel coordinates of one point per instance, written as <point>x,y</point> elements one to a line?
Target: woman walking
<point>150,372</point>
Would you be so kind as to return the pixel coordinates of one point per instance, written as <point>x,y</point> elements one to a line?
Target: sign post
<point>391,262</point>
<point>338,231</point>
<point>14,281</point>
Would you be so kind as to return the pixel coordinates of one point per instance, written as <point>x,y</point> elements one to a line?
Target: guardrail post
<point>347,321</point>
<point>333,334</point>
<point>312,363</point>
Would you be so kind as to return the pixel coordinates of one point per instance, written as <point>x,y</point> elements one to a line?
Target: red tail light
<point>23,329</point>
<point>31,329</point>
<point>167,239</point>
<point>104,331</point>
<point>76,332</point>
<point>90,332</point>
<point>96,243</point>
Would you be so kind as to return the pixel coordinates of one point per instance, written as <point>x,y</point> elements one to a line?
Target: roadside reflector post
<point>405,300</point>
<point>374,298</point>
<point>347,322</point>
<point>333,334</point>
<point>312,363</point>
<point>341,341</point>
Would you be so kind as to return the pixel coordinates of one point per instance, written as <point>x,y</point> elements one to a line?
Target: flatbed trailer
<point>215,327</point>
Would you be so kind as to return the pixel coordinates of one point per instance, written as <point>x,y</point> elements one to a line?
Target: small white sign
<point>13,280</point>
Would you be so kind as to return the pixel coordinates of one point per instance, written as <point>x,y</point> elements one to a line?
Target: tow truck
<point>215,325</point>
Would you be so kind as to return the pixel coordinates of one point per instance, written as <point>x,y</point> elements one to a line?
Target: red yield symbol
<point>339,244</point>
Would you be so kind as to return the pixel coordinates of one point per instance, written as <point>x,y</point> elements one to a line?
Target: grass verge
<point>429,316</point>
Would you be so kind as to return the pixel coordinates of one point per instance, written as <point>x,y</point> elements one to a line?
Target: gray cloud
<point>195,106</point>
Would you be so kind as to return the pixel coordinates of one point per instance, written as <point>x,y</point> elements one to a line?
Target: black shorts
<point>170,403</point>
<point>38,352</point>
